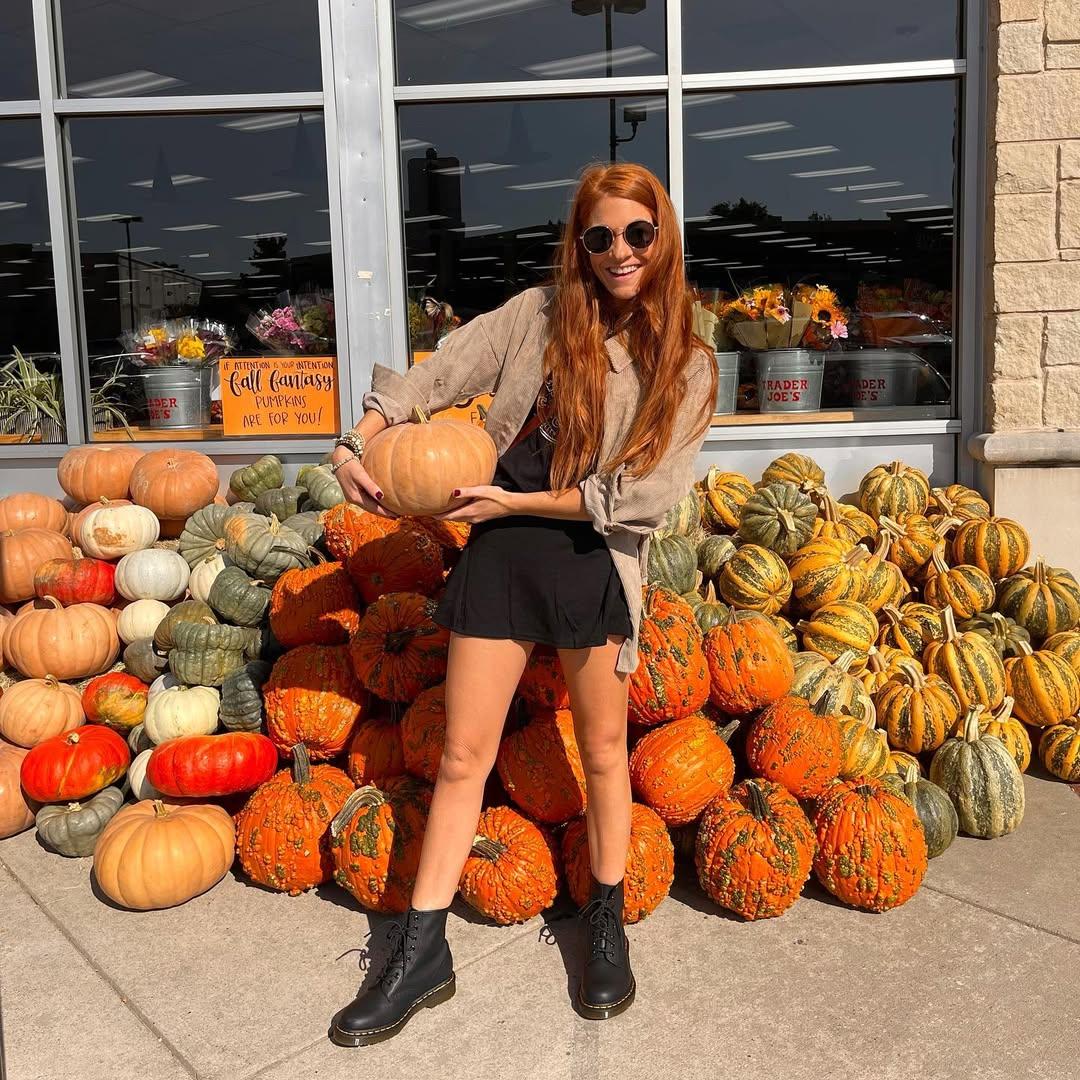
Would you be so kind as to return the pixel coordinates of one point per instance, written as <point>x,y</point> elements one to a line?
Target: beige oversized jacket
<point>501,352</point>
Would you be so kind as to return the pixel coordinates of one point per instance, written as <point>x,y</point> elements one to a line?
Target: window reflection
<point>137,50</point>
<point>18,76</point>
<point>229,244</point>
<point>774,34</point>
<point>487,187</point>
<point>448,41</point>
<point>850,187</point>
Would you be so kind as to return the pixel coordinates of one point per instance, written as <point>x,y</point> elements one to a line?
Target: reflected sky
<point>18,75</point>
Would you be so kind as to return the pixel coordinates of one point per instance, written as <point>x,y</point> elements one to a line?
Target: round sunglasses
<point>598,239</point>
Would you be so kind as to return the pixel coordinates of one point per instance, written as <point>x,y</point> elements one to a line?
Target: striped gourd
<point>779,517</point>
<point>1004,726</point>
<point>968,663</point>
<point>755,579</point>
<point>1001,631</point>
<point>708,611</point>
<point>918,711</point>
<point>794,468</point>
<point>893,490</point>
<point>722,497</point>
<point>684,518</point>
<point>1059,750</point>
<point>981,777</point>
<point>912,539</point>
<point>900,761</point>
<point>885,584</point>
<point>814,675</point>
<point>867,527</point>
<point>966,589</point>
<point>1043,686</point>
<point>826,570</point>
<point>833,524</point>
<point>787,631</point>
<point>933,806</point>
<point>998,546</point>
<point>672,563</point>
<point>1067,646</point>
<point>910,627</point>
<point>864,750</point>
<point>958,501</point>
<point>837,627</point>
<point>712,553</point>
<point>1044,600</point>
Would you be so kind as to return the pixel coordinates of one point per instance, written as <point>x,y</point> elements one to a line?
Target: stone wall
<point>1033,337</point>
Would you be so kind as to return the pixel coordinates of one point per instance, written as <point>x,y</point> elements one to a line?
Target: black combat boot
<point>607,983</point>
<point>418,973</point>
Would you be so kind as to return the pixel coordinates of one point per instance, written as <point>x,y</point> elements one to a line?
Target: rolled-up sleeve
<point>639,504</point>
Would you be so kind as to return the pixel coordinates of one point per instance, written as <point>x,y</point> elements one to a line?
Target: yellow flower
<point>157,335</point>
<point>190,347</point>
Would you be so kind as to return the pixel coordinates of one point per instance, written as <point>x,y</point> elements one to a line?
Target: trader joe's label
<point>279,395</point>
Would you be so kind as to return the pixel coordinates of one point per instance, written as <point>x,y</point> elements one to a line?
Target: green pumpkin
<point>143,661</point>
<point>778,517</point>
<point>280,502</point>
<point>185,611</point>
<point>238,599</point>
<point>264,645</point>
<point>252,480</point>
<point>323,489</point>
<point>263,547</point>
<point>1005,634</point>
<point>708,610</point>
<point>672,563</point>
<point>138,740</point>
<point>684,518</point>
<point>241,697</point>
<point>933,806</point>
<point>205,655</point>
<point>307,524</point>
<point>204,531</point>
<point>713,552</point>
<point>72,829</point>
<point>983,780</point>
<point>815,675</point>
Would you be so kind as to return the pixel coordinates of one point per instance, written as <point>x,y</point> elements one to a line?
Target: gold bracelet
<point>351,440</point>
<point>335,465</point>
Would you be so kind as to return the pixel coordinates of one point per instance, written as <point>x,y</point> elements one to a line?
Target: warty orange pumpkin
<point>796,744</point>
<point>317,605</point>
<point>540,767</point>
<point>375,752</point>
<point>405,559</point>
<point>750,665</point>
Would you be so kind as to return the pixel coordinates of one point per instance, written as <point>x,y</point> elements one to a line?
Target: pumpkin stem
<point>49,599</point>
<point>911,673</point>
<point>946,525</point>
<point>911,774</point>
<point>948,624</point>
<point>844,660</point>
<point>367,796</point>
<point>51,681</point>
<point>938,558</point>
<point>1024,648</point>
<point>487,848</point>
<point>824,702</point>
<point>301,764</point>
<point>419,416</point>
<point>864,790</point>
<point>971,723</point>
<point>1039,575</point>
<point>728,730</point>
<point>1004,711</point>
<point>787,519</point>
<point>759,805</point>
<point>396,640</point>
<point>160,809</point>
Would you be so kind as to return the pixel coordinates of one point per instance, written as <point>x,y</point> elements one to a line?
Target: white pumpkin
<point>165,681</point>
<point>110,532</point>
<point>152,574</point>
<point>140,619</point>
<point>141,788</point>
<point>181,710</point>
<point>202,577</point>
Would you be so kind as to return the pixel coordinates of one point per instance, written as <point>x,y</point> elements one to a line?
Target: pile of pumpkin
<point>824,655</point>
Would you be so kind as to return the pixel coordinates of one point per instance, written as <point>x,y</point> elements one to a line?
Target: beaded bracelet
<point>351,440</point>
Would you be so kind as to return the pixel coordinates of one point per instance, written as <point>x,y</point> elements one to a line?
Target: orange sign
<point>279,395</point>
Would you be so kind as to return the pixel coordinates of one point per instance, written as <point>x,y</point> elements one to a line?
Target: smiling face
<point>621,268</point>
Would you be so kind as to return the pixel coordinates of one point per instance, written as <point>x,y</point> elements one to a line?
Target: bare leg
<point>481,677</point>
<point>598,696</point>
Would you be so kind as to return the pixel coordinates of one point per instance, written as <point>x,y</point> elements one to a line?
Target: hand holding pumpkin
<point>485,503</point>
<point>356,482</point>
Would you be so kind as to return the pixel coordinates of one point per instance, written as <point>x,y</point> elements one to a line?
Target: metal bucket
<point>177,397</point>
<point>789,380</point>
<point>727,381</point>
<point>883,377</point>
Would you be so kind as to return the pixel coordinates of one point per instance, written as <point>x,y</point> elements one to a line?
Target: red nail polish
<point>456,492</point>
<point>378,495</point>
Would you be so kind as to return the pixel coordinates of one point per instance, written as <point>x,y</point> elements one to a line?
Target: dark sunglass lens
<point>640,234</point>
<point>597,239</point>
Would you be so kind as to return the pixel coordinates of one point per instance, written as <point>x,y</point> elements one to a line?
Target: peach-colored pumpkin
<point>6,615</point>
<point>16,810</point>
<point>34,710</point>
<point>68,643</point>
<point>21,553</point>
<point>174,483</point>
<point>89,473</point>
<point>28,510</point>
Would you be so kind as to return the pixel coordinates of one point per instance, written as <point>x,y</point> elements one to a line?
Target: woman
<point>602,399</point>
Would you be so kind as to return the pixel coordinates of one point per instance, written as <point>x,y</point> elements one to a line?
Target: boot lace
<point>605,930</point>
<point>400,945</point>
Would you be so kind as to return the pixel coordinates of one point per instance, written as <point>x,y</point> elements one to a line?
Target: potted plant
<point>106,406</point>
<point>32,401</point>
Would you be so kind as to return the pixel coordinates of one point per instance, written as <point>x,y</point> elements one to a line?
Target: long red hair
<point>659,335</point>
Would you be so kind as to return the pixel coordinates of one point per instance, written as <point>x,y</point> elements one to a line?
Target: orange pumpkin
<point>650,863</point>
<point>69,767</point>
<point>403,560</point>
<point>69,643</point>
<point>6,617</point>
<point>750,666</point>
<point>21,554</point>
<point>510,874</point>
<point>313,697</point>
<point>453,535</point>
<point>89,473</point>
<point>314,606</point>
<point>283,832</point>
<point>174,483</point>
<point>34,710</point>
<point>540,768</point>
<point>347,526</point>
<point>397,649</point>
<point>542,683</point>
<point>423,733</point>
<point>796,744</point>
<point>16,810</point>
<point>375,752</point>
<point>28,510</point>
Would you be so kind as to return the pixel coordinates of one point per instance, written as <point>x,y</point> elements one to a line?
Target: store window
<point>194,47</point>
<point>31,398</point>
<point>487,187</point>
<point>460,41</point>
<point>774,34</point>
<point>846,187</point>
<point>18,77</point>
<point>206,238</point>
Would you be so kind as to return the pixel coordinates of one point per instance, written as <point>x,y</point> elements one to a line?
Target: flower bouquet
<point>828,322</point>
<point>301,325</point>
<point>775,317</point>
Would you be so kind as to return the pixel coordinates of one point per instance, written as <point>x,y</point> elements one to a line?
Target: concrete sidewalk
<point>977,976</point>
